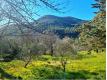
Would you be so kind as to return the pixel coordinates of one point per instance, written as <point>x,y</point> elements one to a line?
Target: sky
<point>81,9</point>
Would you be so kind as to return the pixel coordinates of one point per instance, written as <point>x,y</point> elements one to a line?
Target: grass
<point>89,67</point>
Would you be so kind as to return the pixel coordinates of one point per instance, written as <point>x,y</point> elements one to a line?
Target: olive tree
<point>30,49</point>
<point>65,49</point>
<point>48,40</point>
<point>9,49</point>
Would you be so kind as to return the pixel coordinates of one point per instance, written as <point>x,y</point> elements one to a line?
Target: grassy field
<point>87,67</point>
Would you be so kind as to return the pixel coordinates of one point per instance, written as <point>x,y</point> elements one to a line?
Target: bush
<point>45,58</point>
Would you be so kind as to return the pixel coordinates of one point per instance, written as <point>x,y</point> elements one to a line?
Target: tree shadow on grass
<point>84,75</point>
<point>4,74</point>
<point>53,73</point>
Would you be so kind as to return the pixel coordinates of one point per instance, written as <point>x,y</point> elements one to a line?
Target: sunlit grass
<point>90,67</point>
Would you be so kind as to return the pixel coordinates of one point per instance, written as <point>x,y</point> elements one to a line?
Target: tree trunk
<point>89,52</point>
<point>97,50</point>
<point>52,52</point>
<point>26,64</point>
<point>64,62</point>
<point>64,70</point>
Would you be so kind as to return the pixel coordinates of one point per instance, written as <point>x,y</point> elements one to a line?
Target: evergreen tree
<point>93,33</point>
<point>100,4</point>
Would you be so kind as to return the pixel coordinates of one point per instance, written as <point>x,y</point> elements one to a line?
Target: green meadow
<point>84,66</point>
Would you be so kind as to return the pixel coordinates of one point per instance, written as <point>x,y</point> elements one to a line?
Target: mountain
<point>62,26</point>
<point>51,20</point>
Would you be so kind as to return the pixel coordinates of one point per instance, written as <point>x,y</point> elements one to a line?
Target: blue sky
<point>76,8</point>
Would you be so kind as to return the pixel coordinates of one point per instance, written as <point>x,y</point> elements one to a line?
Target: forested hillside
<point>60,26</point>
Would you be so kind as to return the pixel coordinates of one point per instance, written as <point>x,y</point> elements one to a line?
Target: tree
<point>100,4</point>
<point>65,49</point>
<point>93,33</point>
<point>4,49</point>
<point>29,49</point>
<point>9,49</point>
<point>48,40</point>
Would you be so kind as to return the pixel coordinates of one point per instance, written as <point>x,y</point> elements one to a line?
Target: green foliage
<point>93,33</point>
<point>9,49</point>
<point>100,4</point>
<point>45,58</point>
